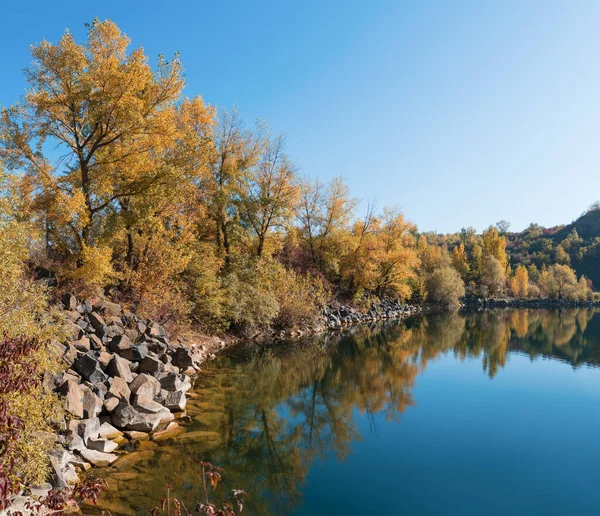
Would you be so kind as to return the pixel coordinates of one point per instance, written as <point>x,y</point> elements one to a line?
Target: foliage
<point>26,327</point>
<point>445,286</point>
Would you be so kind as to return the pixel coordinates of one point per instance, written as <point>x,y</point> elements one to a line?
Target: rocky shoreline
<point>481,303</point>
<point>124,380</point>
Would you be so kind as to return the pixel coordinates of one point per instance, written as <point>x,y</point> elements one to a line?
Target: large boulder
<point>92,404</point>
<point>127,417</point>
<point>98,458</point>
<point>119,367</point>
<point>147,405</point>
<point>120,343</point>
<point>102,445</point>
<point>98,323</point>
<point>89,368</point>
<point>119,389</point>
<point>175,401</point>
<point>145,385</point>
<point>152,365</point>
<point>73,397</point>
<point>87,428</point>
<point>135,353</point>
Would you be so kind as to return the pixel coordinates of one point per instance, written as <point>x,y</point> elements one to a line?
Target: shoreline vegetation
<point>142,230</point>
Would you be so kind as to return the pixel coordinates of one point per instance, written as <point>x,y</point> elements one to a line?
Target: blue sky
<point>461,112</point>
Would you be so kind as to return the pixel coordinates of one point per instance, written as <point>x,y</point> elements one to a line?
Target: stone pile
<point>343,316</point>
<point>122,380</point>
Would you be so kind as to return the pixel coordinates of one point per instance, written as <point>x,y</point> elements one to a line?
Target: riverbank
<point>124,381</point>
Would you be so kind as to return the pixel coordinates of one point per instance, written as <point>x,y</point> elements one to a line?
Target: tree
<point>269,193</point>
<point>494,245</point>
<point>236,152</point>
<point>445,286</point>
<point>109,113</point>
<point>494,277</point>
<point>324,213</point>
<point>519,283</point>
<point>460,261</point>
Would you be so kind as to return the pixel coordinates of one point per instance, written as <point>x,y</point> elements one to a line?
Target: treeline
<point>185,212</point>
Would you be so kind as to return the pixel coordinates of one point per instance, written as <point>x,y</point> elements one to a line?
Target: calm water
<point>480,414</point>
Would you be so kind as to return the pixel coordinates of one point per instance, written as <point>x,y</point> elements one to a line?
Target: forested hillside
<point>576,245</point>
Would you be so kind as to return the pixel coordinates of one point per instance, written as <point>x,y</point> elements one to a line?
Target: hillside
<point>576,244</point>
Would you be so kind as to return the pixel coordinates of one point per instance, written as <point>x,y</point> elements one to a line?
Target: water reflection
<point>266,415</point>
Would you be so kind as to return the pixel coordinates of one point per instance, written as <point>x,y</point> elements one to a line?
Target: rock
<point>74,441</point>
<point>73,398</point>
<point>156,347</point>
<point>125,416</point>
<point>92,404</point>
<point>112,309</point>
<point>41,491</point>
<point>69,301</point>
<point>120,343</point>
<point>172,430</point>
<point>171,382</point>
<point>64,473</point>
<point>183,357</point>
<point>119,367</point>
<point>95,342</point>
<point>111,404</point>
<point>98,324</point>
<point>82,344</point>
<point>151,365</point>
<point>104,358</point>
<point>73,331</point>
<point>119,389</point>
<point>87,428</point>
<point>156,330</point>
<point>175,401</point>
<point>145,385</point>
<point>107,431</point>
<point>133,435</point>
<point>135,353</point>
<point>98,458</point>
<point>147,405</point>
<point>132,334</point>
<point>89,368</point>
<point>102,445</point>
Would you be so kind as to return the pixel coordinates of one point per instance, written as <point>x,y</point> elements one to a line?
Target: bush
<point>445,286</point>
<point>264,293</point>
<point>26,325</point>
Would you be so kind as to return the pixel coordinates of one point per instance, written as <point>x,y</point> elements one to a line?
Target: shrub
<point>263,293</point>
<point>26,325</point>
<point>494,277</point>
<point>445,286</point>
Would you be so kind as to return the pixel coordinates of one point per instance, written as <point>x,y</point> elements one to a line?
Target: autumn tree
<point>460,261</point>
<point>494,245</point>
<point>114,121</point>
<point>324,212</point>
<point>519,283</point>
<point>236,151</point>
<point>269,193</point>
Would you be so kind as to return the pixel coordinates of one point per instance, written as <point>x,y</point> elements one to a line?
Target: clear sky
<point>461,112</point>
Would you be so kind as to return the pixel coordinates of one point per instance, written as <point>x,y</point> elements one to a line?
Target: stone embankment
<point>123,380</point>
<point>344,316</point>
<point>478,302</point>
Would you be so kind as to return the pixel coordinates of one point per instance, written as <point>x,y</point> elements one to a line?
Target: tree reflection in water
<point>266,414</point>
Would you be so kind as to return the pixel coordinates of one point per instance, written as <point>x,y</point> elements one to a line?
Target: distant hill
<point>576,244</point>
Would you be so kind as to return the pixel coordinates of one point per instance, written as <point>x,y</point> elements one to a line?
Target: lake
<point>488,413</point>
